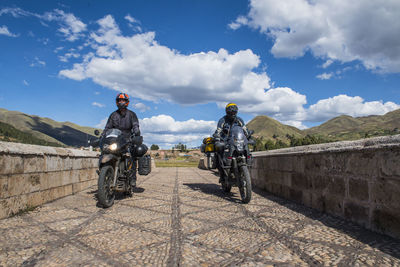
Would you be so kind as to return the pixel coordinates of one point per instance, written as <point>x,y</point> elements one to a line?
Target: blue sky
<point>301,62</point>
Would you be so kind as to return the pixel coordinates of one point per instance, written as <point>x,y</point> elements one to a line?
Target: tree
<point>154,147</point>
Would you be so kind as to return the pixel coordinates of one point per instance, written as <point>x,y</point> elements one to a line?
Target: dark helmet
<point>122,104</point>
<point>140,150</point>
<point>231,110</point>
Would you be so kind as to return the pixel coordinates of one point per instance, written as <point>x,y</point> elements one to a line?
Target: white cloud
<point>141,107</point>
<point>165,131</point>
<point>70,26</point>
<point>4,31</point>
<point>337,30</point>
<point>37,63</point>
<point>25,83</point>
<point>143,67</point>
<point>133,23</point>
<point>325,76</point>
<point>98,105</point>
<point>327,63</point>
<point>69,55</point>
<point>346,105</point>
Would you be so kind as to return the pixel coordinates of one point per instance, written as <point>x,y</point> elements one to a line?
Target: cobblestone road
<point>181,217</point>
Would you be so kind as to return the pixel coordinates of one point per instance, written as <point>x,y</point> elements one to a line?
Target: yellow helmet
<point>231,109</point>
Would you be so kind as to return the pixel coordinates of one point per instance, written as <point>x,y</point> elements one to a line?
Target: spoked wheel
<point>245,185</point>
<point>105,194</point>
<point>226,186</point>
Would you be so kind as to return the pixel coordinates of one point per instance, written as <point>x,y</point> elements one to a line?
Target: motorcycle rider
<point>126,121</point>
<point>223,128</point>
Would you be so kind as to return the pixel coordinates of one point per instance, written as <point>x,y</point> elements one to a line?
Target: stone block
<point>389,163</point>
<point>307,198</point>
<point>67,178</point>
<point>317,202</point>
<point>68,189</point>
<point>356,213</point>
<point>333,185</point>
<point>87,174</point>
<point>333,205</point>
<point>33,163</point>
<point>358,189</point>
<point>386,192</point>
<point>270,163</point>
<point>363,163</point>
<point>4,186</point>
<point>81,186</point>
<point>301,181</point>
<point>19,184</point>
<point>11,164</point>
<point>333,163</point>
<point>53,163</point>
<point>74,174</point>
<point>36,198</point>
<point>54,179</point>
<point>287,179</point>
<point>386,221</point>
<point>285,163</point>
<point>77,163</point>
<point>55,193</point>
<point>298,164</point>
<point>312,163</point>
<point>12,205</point>
<point>319,182</point>
<point>296,195</point>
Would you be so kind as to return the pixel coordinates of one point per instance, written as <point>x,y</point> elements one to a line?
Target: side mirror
<point>96,132</point>
<point>251,132</point>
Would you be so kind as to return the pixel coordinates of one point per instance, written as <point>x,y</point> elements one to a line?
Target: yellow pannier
<point>209,141</point>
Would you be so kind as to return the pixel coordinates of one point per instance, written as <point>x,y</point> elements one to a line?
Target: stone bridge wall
<point>31,175</point>
<point>356,180</point>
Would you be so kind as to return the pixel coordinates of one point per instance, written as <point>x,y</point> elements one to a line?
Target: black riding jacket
<point>125,120</point>
<point>226,123</point>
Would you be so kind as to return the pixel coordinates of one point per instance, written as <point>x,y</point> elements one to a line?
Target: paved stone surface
<point>181,217</point>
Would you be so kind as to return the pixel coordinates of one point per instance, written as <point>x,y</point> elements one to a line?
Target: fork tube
<point>116,172</point>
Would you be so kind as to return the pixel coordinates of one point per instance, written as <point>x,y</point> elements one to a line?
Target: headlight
<point>113,146</point>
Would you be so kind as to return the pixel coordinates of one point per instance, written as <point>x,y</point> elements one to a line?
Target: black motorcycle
<point>234,159</point>
<point>116,164</point>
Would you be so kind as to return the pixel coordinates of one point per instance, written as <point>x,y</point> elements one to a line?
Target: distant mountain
<point>62,133</point>
<point>349,128</point>
<point>269,128</point>
<point>339,128</point>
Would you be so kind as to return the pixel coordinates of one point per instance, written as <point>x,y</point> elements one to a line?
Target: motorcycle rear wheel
<point>105,194</point>
<point>245,185</point>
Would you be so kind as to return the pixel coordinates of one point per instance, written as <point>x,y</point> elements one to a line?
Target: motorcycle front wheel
<point>245,185</point>
<point>105,193</point>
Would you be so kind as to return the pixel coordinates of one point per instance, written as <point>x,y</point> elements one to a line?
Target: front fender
<point>105,158</point>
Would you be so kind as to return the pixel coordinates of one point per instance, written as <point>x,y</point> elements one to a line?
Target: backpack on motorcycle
<point>144,163</point>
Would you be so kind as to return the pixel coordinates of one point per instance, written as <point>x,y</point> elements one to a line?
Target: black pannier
<point>144,163</point>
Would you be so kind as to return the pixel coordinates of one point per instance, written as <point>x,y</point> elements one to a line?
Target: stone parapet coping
<point>376,142</point>
<point>26,149</point>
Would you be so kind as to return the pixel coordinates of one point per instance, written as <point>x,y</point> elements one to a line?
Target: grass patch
<point>23,211</point>
<point>171,163</point>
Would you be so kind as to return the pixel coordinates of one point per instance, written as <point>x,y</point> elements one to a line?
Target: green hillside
<point>349,128</point>
<point>276,135</point>
<point>10,134</point>
<point>272,129</point>
<point>47,129</point>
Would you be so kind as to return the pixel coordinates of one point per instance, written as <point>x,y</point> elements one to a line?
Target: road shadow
<point>215,190</point>
<point>118,195</point>
<point>384,243</point>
